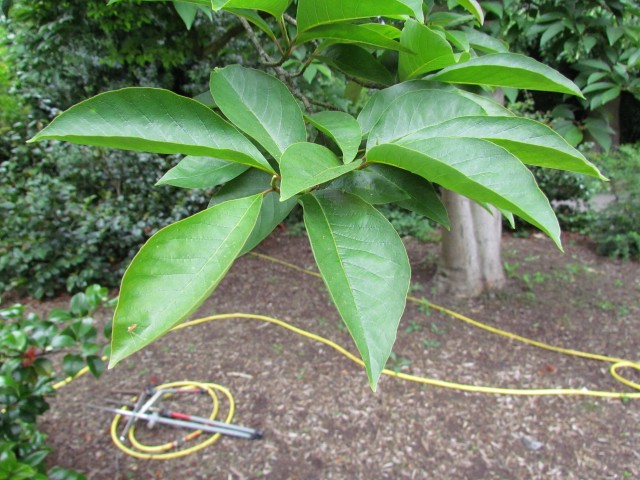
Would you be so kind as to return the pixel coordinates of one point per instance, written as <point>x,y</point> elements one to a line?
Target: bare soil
<point>319,416</point>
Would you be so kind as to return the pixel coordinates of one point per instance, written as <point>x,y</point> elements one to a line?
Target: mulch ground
<point>319,416</point>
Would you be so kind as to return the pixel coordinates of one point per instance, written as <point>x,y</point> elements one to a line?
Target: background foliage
<point>34,353</point>
<point>72,216</point>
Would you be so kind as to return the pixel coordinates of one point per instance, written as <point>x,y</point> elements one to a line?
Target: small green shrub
<point>616,229</point>
<point>73,216</point>
<point>27,373</point>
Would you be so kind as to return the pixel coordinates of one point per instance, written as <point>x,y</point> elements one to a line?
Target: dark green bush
<point>27,374</point>
<point>73,216</point>
<point>616,229</point>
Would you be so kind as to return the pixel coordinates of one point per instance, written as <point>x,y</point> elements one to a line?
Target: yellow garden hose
<point>168,450</point>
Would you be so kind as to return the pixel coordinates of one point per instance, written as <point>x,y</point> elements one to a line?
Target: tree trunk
<point>470,261</point>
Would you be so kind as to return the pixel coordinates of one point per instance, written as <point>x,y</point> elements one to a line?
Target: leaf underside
<point>176,270</point>
<point>365,268</point>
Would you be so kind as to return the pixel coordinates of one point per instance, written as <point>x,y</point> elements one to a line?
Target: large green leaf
<point>432,51</point>
<point>312,13</point>
<point>368,34</point>
<point>382,100</point>
<point>260,105</point>
<point>473,7</point>
<point>485,43</point>
<point>532,142</point>
<point>274,7</point>
<point>253,17</point>
<point>477,169</point>
<point>507,70</point>
<point>371,185</point>
<point>342,128</point>
<point>305,165</point>
<point>418,109</point>
<point>187,12</point>
<point>379,184</point>
<point>365,267</point>
<point>416,6</point>
<point>358,63</point>
<point>422,197</point>
<point>201,172</point>
<point>176,270</point>
<point>272,211</point>
<point>152,120</point>
<point>490,106</point>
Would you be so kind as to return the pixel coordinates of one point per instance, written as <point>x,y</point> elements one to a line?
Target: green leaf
<point>381,100</point>
<point>305,165</point>
<point>6,6</point>
<point>62,341</point>
<point>260,105</point>
<point>365,268</point>
<point>201,172</point>
<point>422,197</point>
<point>8,385</point>
<point>96,365</point>
<point>358,63</point>
<point>614,34</point>
<point>152,120</point>
<point>569,131</point>
<point>187,12</point>
<point>477,169</point>
<point>432,51</point>
<point>507,70</point>
<point>551,31</point>
<point>273,7</point>
<point>272,211</point>
<point>448,20</point>
<point>532,142</point>
<point>253,17</point>
<point>490,106</point>
<point>342,128</point>
<point>416,6</point>
<point>371,185</point>
<point>418,109</point>
<point>473,7</point>
<point>605,97</point>
<point>312,13</point>
<point>596,86</point>
<point>16,340</point>
<point>458,39</point>
<point>176,270</point>
<point>600,130</point>
<point>485,43</point>
<point>350,33</point>
<point>72,364</point>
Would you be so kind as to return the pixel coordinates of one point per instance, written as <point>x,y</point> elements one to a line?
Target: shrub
<point>73,216</point>
<point>27,342</point>
<point>616,229</point>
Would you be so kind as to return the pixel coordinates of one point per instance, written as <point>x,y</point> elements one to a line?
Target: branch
<point>268,61</point>
<point>214,47</point>
<point>290,19</point>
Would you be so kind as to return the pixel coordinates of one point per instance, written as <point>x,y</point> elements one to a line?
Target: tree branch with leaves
<point>424,131</point>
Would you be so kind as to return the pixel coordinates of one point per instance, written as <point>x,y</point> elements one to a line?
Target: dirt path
<point>322,421</point>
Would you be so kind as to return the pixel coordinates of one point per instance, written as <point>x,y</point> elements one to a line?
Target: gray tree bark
<point>470,260</point>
